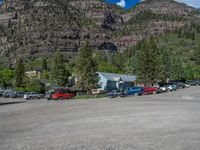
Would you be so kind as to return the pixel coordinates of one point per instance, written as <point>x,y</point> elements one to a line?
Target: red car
<point>62,93</point>
<point>150,90</point>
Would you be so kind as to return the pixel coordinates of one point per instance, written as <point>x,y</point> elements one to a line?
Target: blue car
<point>116,93</point>
<point>135,91</point>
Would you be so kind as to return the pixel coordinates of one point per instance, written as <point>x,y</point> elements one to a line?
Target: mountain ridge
<point>37,28</point>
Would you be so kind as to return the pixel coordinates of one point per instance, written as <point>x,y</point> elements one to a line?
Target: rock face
<point>36,28</point>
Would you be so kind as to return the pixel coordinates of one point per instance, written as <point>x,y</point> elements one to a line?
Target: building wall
<point>102,82</point>
<point>105,84</point>
<point>112,85</point>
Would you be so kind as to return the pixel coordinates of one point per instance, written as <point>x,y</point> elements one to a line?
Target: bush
<point>35,86</point>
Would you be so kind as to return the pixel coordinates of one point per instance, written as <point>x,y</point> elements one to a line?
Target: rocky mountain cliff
<point>36,28</point>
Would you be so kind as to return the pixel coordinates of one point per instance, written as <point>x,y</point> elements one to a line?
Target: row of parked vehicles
<point>140,90</point>
<point>15,94</point>
<point>67,93</point>
<point>55,94</point>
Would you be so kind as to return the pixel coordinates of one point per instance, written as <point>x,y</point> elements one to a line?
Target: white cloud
<point>122,3</point>
<point>193,3</point>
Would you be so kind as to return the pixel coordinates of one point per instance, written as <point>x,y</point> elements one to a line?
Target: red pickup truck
<point>61,93</point>
<point>150,90</point>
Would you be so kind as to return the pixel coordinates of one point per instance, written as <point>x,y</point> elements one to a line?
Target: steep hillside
<point>153,17</point>
<point>35,28</point>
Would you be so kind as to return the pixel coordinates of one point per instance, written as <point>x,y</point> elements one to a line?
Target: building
<point>34,73</point>
<point>111,81</point>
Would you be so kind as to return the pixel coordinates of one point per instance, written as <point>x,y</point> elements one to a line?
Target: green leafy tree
<point>34,86</point>
<point>59,75</point>
<point>19,73</point>
<point>6,77</point>
<point>189,73</point>
<point>105,66</point>
<point>196,70</point>
<point>196,57</point>
<point>86,68</point>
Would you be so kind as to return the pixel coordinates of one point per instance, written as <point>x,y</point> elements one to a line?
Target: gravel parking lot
<point>169,121</point>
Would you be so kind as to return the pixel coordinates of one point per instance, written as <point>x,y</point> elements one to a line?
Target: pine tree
<point>149,68</point>
<point>177,71</point>
<point>86,68</point>
<point>19,73</point>
<point>59,75</point>
<point>44,64</point>
<point>166,61</point>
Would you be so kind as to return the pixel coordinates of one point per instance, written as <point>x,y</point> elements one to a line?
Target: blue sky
<point>127,4</point>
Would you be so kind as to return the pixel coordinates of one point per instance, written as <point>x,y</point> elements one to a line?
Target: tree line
<point>146,59</point>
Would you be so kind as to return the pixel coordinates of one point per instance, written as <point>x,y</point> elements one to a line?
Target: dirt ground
<point>169,121</point>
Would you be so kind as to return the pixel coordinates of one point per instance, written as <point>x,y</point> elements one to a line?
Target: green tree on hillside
<point>86,68</point>
<point>19,73</point>
<point>44,64</point>
<point>59,75</point>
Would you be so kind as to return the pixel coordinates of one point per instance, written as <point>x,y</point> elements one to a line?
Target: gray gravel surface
<point>169,121</point>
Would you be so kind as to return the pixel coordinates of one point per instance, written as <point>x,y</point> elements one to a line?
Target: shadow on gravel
<point>9,103</point>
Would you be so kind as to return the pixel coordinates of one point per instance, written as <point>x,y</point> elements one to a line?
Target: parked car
<point>134,90</point>
<point>15,94</point>
<point>6,93</point>
<point>1,92</point>
<point>174,87</point>
<point>150,90</point>
<point>170,88</point>
<point>116,93</point>
<point>193,83</point>
<point>163,89</point>
<point>180,85</point>
<point>33,95</point>
<point>60,93</point>
<point>187,85</point>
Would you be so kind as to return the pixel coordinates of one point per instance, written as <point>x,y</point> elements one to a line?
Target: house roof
<point>120,77</point>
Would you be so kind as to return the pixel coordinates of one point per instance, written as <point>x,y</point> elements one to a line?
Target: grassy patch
<point>79,97</point>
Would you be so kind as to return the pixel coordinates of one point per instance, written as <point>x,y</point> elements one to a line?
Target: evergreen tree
<point>19,72</point>
<point>177,71</point>
<point>44,64</point>
<point>149,67</point>
<point>86,68</point>
<point>59,75</point>
<point>166,61</point>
